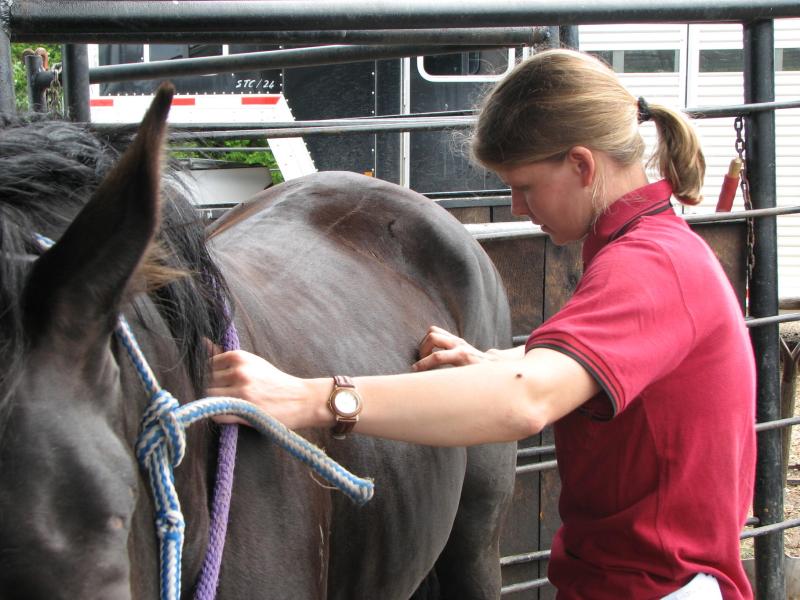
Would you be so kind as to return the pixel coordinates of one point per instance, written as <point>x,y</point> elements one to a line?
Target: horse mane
<point>48,171</point>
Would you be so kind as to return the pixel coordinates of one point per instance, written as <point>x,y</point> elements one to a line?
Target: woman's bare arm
<point>491,401</point>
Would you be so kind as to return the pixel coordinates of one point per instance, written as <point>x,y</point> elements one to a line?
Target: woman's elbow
<point>529,418</point>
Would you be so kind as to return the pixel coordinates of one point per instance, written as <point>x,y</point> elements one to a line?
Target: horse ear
<point>82,278</point>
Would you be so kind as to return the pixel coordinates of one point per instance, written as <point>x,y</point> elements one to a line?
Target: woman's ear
<point>582,161</point>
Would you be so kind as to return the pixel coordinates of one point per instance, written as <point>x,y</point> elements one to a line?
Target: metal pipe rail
<point>525,585</point>
<point>513,36</point>
<point>271,59</point>
<point>286,129</point>
<point>27,17</point>
<point>738,110</point>
<point>522,586</point>
<point>536,467</point>
<point>523,229</point>
<point>707,112</point>
<point>432,124</point>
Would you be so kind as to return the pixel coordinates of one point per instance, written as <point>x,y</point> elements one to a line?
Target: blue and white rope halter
<point>161,445</point>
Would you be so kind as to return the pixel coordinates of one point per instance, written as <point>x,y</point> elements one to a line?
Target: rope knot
<point>161,428</point>
<point>169,522</point>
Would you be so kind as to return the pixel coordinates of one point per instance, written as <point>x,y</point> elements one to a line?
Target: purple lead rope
<point>220,508</point>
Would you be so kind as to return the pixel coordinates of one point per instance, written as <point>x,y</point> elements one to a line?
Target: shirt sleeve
<point>627,323</point>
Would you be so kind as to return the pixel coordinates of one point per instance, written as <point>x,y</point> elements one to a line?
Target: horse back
<point>362,258</point>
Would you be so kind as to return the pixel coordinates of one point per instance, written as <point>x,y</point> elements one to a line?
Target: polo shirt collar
<point>649,199</point>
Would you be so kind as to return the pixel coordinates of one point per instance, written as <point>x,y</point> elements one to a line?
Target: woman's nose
<point>518,206</point>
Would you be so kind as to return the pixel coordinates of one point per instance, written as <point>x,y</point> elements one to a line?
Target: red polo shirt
<point>657,470</point>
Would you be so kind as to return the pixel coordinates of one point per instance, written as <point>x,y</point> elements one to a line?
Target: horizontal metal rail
<point>526,229</point>
<point>716,112</point>
<point>535,451</point>
<point>777,424</point>
<point>522,586</point>
<point>536,467</point>
<point>271,59</point>
<point>88,16</point>
<point>758,322</point>
<point>512,36</point>
<point>765,529</point>
<point>301,129</point>
<point>382,124</point>
<point>527,557</point>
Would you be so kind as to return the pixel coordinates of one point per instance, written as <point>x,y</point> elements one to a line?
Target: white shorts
<point>701,587</point>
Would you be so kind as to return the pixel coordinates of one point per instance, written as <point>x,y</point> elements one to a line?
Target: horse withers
<point>332,273</point>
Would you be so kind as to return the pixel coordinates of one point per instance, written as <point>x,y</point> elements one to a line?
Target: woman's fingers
<point>455,357</point>
<point>439,347</point>
<point>438,339</point>
<point>221,378</point>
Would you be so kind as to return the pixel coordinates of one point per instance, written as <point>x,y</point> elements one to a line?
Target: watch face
<point>346,403</point>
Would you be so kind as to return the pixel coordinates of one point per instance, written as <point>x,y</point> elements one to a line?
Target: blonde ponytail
<point>678,156</point>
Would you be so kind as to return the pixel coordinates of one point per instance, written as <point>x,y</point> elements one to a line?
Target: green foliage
<point>18,64</point>
<point>255,157</point>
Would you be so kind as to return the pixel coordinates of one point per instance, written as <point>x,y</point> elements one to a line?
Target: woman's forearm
<point>487,402</point>
<point>491,401</point>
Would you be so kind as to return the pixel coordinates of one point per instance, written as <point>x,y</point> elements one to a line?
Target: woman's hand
<point>440,347</point>
<point>240,374</point>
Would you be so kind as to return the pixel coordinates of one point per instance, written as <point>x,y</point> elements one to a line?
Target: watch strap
<point>343,381</point>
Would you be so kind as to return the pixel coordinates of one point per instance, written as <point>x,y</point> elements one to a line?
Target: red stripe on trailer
<point>260,99</point>
<point>101,102</point>
<point>182,101</point>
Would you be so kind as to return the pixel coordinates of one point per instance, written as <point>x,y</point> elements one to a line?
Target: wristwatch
<point>345,404</point>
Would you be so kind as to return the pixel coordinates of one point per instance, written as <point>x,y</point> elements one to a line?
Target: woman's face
<point>555,194</point>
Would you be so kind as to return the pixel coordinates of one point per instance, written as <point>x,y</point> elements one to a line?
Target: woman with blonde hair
<point>646,374</point>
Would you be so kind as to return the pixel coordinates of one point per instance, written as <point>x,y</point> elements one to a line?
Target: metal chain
<point>738,125</point>
<point>54,99</point>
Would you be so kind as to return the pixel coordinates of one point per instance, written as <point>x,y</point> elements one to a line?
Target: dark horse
<point>333,273</point>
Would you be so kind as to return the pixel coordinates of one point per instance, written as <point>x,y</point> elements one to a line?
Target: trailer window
<point>640,61</point>
<point>483,65</point>
<point>464,63</point>
<point>721,61</point>
<point>732,61</point>
<point>120,54</point>
<point>789,59</point>
<point>173,51</point>
<point>650,61</point>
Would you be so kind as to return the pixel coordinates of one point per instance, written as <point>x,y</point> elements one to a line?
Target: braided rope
<point>208,580</point>
<point>162,443</point>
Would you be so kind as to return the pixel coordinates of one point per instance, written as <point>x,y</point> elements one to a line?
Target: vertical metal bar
<point>7,99</point>
<point>33,66</point>
<point>76,82</point>
<point>759,84</point>
<point>569,36</point>
<point>553,40</point>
